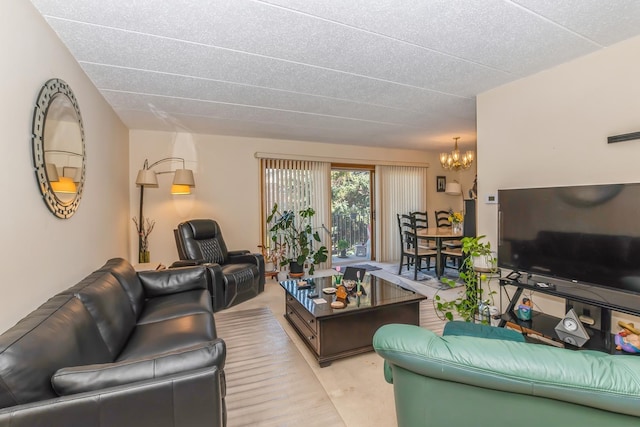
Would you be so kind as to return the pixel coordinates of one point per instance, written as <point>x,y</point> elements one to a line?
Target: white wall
<point>443,201</point>
<point>42,254</point>
<point>552,128</point>
<point>227,183</point>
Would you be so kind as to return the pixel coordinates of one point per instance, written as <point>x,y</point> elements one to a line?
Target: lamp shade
<point>64,185</point>
<point>453,189</point>
<point>180,189</point>
<point>147,177</point>
<point>183,177</point>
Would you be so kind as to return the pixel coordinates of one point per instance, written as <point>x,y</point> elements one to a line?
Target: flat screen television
<point>582,234</point>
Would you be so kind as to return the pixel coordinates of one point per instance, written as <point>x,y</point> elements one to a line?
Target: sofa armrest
<point>79,379</point>
<point>193,398</point>
<point>216,286</point>
<point>593,379</point>
<point>188,263</point>
<point>173,280</point>
<point>245,257</point>
<point>238,252</point>
<point>388,372</point>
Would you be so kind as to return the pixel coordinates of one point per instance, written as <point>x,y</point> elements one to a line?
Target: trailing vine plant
<point>467,304</point>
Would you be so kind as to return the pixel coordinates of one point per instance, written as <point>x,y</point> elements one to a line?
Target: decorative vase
<point>457,227</point>
<point>144,257</point>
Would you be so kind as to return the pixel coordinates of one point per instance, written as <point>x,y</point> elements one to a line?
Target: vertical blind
<point>401,189</point>
<point>296,185</point>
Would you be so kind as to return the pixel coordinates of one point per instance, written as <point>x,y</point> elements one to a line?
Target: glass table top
<point>376,292</point>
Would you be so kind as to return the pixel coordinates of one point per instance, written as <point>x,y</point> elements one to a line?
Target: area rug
<point>367,267</point>
<point>269,383</point>
<point>425,277</point>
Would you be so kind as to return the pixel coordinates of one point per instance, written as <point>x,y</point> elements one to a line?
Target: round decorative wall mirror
<point>58,148</point>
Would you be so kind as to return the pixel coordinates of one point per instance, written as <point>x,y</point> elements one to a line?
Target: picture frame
<point>441,184</point>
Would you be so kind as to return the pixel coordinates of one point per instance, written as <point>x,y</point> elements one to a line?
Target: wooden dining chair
<point>410,251</point>
<point>442,219</point>
<point>452,254</point>
<point>421,219</point>
<point>422,222</point>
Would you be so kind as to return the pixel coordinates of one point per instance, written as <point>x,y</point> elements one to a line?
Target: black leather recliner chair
<point>237,276</point>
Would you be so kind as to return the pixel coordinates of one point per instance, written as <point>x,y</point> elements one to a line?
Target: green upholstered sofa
<point>458,380</point>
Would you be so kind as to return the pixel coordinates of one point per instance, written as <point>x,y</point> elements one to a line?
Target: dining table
<point>439,235</point>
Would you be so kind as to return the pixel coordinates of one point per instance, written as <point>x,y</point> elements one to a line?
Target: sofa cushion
<point>79,379</point>
<point>111,309</point>
<point>173,280</point>
<point>128,278</point>
<point>168,335</point>
<point>469,329</point>
<point>177,305</point>
<point>60,333</point>
<point>70,292</point>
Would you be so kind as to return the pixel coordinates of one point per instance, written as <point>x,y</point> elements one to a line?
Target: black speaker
<point>469,224</point>
<point>590,315</point>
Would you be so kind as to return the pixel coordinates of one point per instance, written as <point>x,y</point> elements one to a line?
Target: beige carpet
<point>269,383</point>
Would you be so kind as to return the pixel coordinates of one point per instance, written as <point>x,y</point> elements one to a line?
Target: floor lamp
<point>182,183</point>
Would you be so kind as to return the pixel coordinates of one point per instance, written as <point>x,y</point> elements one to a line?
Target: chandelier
<point>454,161</point>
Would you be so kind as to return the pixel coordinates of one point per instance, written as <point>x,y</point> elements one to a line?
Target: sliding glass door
<point>356,205</point>
<point>352,214</point>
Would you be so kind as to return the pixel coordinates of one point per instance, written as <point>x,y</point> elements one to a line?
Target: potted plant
<point>293,233</point>
<point>478,261</point>
<point>343,245</point>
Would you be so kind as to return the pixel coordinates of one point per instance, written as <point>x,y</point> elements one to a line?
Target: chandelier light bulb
<point>454,161</point>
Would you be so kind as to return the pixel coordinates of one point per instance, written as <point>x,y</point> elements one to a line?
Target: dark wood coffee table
<point>337,333</point>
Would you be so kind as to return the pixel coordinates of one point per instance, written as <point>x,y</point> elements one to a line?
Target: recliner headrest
<point>204,228</point>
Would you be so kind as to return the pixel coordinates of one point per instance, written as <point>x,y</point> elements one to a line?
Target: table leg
<point>438,257</point>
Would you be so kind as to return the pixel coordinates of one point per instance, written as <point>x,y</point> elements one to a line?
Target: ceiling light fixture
<point>454,161</point>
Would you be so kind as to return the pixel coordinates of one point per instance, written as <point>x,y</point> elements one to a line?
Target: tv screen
<point>587,234</point>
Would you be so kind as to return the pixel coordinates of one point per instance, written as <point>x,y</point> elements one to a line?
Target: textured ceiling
<point>394,73</point>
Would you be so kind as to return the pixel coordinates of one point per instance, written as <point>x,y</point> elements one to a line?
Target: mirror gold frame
<point>58,148</point>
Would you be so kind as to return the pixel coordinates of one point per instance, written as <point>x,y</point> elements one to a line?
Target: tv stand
<point>596,302</point>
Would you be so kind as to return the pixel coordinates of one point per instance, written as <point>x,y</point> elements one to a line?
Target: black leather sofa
<point>119,348</point>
